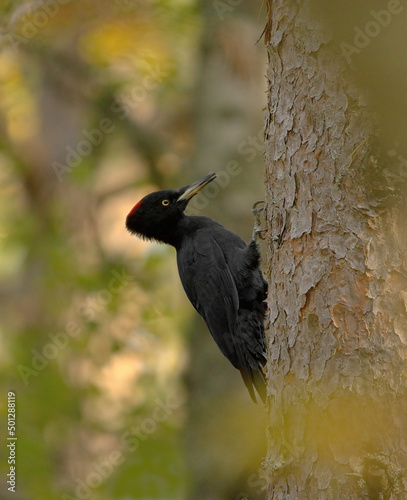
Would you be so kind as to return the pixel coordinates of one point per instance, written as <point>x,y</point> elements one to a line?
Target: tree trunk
<point>337,331</point>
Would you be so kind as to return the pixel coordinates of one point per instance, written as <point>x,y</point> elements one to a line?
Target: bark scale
<point>337,269</point>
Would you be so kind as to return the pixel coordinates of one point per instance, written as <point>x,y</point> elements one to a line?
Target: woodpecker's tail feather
<point>255,378</point>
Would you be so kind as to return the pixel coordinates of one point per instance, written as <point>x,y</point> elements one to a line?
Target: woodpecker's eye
<point>165,203</point>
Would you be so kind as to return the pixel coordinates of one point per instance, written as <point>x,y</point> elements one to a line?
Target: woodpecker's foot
<point>257,211</point>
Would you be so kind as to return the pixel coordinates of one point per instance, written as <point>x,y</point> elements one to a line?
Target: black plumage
<point>219,272</point>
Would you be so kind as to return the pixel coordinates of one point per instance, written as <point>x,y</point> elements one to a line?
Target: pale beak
<point>188,192</point>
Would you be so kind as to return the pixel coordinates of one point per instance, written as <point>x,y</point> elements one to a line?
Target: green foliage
<point>81,323</point>
<point>96,106</point>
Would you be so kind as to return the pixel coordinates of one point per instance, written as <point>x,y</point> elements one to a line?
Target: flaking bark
<point>337,333</point>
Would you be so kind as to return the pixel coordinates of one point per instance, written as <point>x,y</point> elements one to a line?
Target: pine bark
<point>337,268</point>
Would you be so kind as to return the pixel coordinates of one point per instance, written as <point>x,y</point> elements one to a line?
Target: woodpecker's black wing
<point>211,288</point>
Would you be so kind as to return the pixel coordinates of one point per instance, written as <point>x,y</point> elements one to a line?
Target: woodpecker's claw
<point>257,211</point>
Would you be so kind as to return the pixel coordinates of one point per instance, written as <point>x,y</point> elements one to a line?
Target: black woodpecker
<point>220,274</point>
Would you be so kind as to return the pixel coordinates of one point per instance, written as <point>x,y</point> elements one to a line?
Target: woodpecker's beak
<point>189,191</point>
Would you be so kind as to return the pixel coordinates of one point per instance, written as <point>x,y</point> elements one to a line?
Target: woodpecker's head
<point>155,217</point>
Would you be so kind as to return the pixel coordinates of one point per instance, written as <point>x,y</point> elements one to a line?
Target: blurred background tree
<point>121,393</point>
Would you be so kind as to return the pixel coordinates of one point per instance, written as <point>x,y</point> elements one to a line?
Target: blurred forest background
<point>121,393</point>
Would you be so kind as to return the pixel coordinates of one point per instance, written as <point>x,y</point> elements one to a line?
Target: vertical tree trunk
<point>337,332</point>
